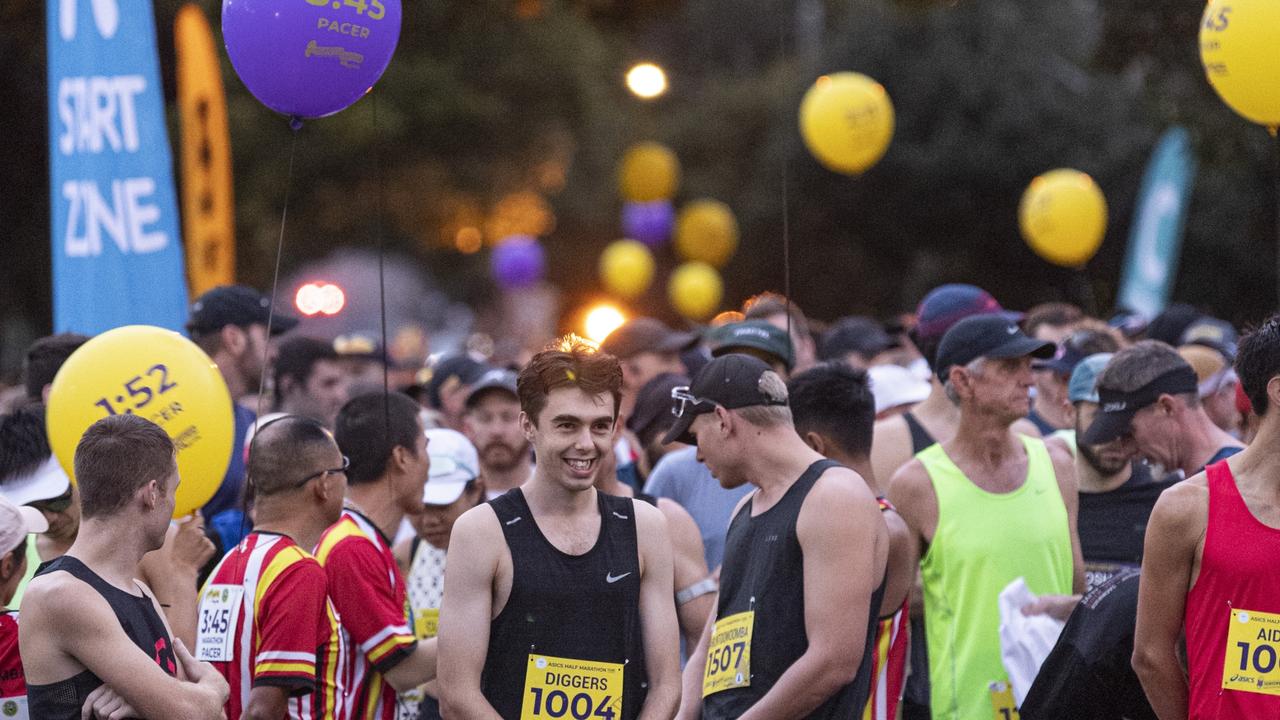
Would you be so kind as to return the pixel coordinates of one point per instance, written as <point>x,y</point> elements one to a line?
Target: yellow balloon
<point>156,374</point>
<point>626,268</point>
<point>846,120</point>
<point>1063,217</point>
<point>649,172</point>
<point>706,231</point>
<point>1240,50</point>
<point>695,290</point>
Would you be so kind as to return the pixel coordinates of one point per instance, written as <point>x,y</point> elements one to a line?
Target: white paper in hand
<point>1025,640</point>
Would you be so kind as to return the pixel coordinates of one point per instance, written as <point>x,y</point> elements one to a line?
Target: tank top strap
<point>946,477</point>
<point>77,569</point>
<point>1040,471</point>
<point>920,437</point>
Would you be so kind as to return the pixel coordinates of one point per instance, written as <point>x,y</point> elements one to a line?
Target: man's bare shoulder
<point>61,600</point>
<point>1183,509</point>
<point>911,478</point>
<point>480,522</point>
<point>648,517</point>
<point>841,483</point>
<point>890,429</point>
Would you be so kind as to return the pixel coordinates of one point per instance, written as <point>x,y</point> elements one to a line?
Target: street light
<point>320,298</point>
<point>646,80</point>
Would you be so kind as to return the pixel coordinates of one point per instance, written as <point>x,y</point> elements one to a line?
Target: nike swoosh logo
<point>611,579</point>
<point>513,521</point>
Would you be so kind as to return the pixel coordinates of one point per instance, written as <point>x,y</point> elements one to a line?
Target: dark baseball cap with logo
<point>730,381</point>
<point>1118,406</point>
<point>234,305</point>
<point>644,334</point>
<point>752,335</point>
<point>947,305</point>
<point>987,336</point>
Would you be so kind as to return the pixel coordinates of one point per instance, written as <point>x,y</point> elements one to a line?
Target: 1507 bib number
<point>729,653</point>
<point>567,688</point>
<point>1253,653</point>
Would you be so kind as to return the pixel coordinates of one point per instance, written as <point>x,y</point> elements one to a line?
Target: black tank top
<point>137,615</point>
<point>920,438</point>
<point>581,607</point>
<point>764,571</point>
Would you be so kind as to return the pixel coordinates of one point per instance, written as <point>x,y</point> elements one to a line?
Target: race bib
<point>729,653</point>
<point>426,623</point>
<point>579,689</point>
<point>1253,651</point>
<point>1002,705</point>
<point>216,625</point>
<point>14,708</point>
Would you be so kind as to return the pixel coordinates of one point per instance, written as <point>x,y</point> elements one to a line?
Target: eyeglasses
<point>684,400</point>
<point>54,505</point>
<point>346,463</point>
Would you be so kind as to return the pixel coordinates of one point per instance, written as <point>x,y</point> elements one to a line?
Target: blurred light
<point>647,80</point>
<point>602,320</point>
<point>468,240</point>
<point>320,298</point>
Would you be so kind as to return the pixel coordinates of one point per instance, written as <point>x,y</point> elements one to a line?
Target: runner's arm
<point>1065,470</point>
<point>891,446</point>
<point>659,627</point>
<point>172,570</point>
<point>267,702</point>
<point>911,493</point>
<point>1177,524</point>
<point>845,547</point>
<point>62,619</point>
<point>695,669</point>
<point>690,569</point>
<point>902,564</point>
<point>415,668</point>
<point>466,612</point>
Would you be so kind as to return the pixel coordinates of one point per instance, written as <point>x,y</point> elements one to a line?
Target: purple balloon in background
<point>518,262</point>
<point>648,222</point>
<point>310,58</point>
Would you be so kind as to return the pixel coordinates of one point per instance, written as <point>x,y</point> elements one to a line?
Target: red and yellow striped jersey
<point>368,592</point>
<point>888,658</point>
<point>264,620</point>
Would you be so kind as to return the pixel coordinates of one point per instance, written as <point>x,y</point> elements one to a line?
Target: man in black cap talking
<point>804,561</point>
<point>229,323</point>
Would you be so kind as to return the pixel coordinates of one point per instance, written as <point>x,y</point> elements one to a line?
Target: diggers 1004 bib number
<point>1002,705</point>
<point>729,653</point>
<point>1253,653</point>
<point>566,688</point>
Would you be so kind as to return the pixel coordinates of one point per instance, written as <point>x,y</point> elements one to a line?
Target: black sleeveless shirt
<point>137,615</point>
<point>583,607</point>
<point>764,571</point>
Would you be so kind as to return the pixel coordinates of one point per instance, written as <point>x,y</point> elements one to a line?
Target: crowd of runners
<point>771,517</point>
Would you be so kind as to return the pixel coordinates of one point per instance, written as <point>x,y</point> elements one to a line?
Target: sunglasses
<point>346,463</point>
<point>54,505</point>
<point>686,401</point>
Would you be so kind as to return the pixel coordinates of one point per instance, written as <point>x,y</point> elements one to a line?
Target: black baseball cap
<point>753,335</point>
<point>495,379</point>
<point>653,405</point>
<point>731,381</point>
<point>989,336</point>
<point>1118,407</point>
<point>451,369</point>
<point>234,305</point>
<point>860,335</point>
<point>644,334</point>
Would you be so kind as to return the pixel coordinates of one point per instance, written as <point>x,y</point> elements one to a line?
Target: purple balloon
<point>518,262</point>
<point>310,58</point>
<point>648,222</point>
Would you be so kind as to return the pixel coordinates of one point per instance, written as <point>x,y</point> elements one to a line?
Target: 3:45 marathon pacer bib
<point>1252,660</point>
<point>566,688</point>
<point>729,653</point>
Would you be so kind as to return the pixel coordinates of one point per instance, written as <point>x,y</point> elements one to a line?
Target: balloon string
<point>382,285</point>
<point>786,217</point>
<point>295,125</point>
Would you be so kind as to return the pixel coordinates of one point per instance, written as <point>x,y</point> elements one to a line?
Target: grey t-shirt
<point>679,476</point>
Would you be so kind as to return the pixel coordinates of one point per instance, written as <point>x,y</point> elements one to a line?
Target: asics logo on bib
<point>611,578</point>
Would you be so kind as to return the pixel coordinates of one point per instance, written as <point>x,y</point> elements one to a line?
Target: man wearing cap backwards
<point>986,507</point>
<point>453,487</point>
<point>804,562</point>
<point>1212,548</point>
<point>265,616</point>
<point>558,597</point>
<point>90,632</point>
<point>17,523</point>
<point>491,420</point>
<point>1150,398</point>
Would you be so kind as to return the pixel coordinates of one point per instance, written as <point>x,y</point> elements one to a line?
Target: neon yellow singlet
<point>983,542</point>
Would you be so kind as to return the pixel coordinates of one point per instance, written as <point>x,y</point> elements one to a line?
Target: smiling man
<point>558,598</point>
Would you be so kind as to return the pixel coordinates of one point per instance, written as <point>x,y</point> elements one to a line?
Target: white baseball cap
<point>18,521</point>
<point>47,482</point>
<point>892,385</point>
<point>454,463</point>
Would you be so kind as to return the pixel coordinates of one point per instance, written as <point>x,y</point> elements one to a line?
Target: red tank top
<point>1232,617</point>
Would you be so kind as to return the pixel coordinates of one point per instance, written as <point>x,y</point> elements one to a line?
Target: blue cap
<point>1083,386</point>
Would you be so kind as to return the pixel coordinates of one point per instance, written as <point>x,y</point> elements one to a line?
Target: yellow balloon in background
<point>626,268</point>
<point>156,374</point>
<point>649,172</point>
<point>695,290</point>
<point>706,231</point>
<point>1063,217</point>
<point>1240,50</point>
<point>846,120</point>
